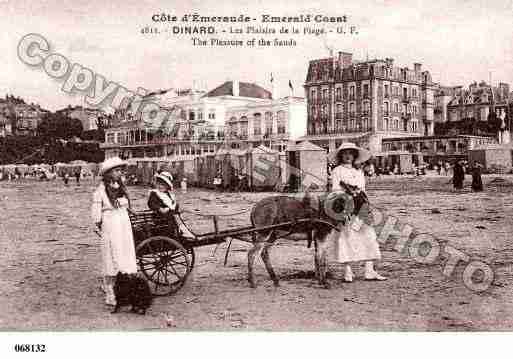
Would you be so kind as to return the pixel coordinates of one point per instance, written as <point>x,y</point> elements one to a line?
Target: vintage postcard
<point>247,166</point>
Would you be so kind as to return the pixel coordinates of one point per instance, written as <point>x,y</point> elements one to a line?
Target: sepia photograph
<point>255,166</point>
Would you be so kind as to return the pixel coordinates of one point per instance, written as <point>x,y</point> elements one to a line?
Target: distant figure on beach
<point>218,183</point>
<point>65,178</point>
<point>442,171</point>
<point>448,169</point>
<point>77,176</point>
<point>458,175</point>
<point>477,182</point>
<point>183,185</point>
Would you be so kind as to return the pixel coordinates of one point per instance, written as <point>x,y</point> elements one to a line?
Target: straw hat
<point>111,163</point>
<point>166,177</point>
<point>363,154</point>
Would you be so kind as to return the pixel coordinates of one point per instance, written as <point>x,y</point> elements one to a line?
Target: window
<point>351,92</point>
<point>414,92</point>
<point>281,122</point>
<point>352,108</point>
<point>366,90</point>
<point>396,91</point>
<point>385,124</point>
<point>233,129</point>
<point>414,126</point>
<point>405,109</point>
<point>200,115</point>
<point>387,91</point>
<point>110,138</point>
<point>366,107</point>
<point>268,123</point>
<point>324,111</point>
<point>257,124</point>
<point>212,115</point>
<point>338,94</point>
<point>396,107</point>
<point>338,125</point>
<point>405,92</point>
<point>387,109</point>
<point>312,95</point>
<point>324,95</point>
<point>244,128</point>
<point>339,111</point>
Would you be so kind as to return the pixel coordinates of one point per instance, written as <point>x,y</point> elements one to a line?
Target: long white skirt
<point>358,243</point>
<point>118,249</point>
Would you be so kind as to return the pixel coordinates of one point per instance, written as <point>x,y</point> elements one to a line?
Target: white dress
<point>357,240</point>
<point>118,249</point>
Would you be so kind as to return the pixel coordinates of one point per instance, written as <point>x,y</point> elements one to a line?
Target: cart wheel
<point>165,263</point>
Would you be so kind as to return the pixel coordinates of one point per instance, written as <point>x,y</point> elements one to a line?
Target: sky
<point>459,42</point>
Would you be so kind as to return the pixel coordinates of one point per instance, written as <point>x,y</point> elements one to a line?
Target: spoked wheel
<point>165,263</point>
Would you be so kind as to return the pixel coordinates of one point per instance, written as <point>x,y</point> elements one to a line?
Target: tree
<point>59,126</point>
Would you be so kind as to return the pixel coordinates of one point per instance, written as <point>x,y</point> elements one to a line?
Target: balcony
<point>344,129</point>
<point>405,99</point>
<point>338,115</point>
<point>386,113</point>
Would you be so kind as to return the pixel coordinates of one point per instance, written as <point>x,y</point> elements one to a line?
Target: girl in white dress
<point>109,213</point>
<point>357,240</point>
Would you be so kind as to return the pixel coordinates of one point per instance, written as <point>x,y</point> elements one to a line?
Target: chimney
<point>416,67</point>
<point>345,59</point>
<point>390,62</point>
<point>235,84</point>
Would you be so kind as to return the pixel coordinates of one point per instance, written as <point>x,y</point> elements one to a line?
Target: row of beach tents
<point>47,171</point>
<point>259,168</point>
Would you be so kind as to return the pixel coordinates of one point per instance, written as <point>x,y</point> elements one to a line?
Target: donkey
<point>280,209</point>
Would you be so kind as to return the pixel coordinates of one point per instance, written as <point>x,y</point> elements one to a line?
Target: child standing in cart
<point>162,201</point>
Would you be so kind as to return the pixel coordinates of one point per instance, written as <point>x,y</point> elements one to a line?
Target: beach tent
<point>224,167</point>
<point>211,169</point>
<point>263,168</point>
<point>313,164</point>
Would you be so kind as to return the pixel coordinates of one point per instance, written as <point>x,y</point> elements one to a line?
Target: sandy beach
<point>50,265</point>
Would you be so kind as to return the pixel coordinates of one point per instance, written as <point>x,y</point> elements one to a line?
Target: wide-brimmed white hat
<point>363,154</point>
<point>166,177</point>
<point>111,163</point>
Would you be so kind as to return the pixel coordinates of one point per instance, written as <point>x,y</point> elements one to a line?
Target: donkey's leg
<point>267,261</point>
<point>316,257</point>
<point>322,258</point>
<point>252,253</point>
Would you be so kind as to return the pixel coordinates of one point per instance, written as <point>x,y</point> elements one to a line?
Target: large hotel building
<point>367,101</point>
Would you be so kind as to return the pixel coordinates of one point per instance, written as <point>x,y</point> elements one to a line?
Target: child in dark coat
<point>162,201</point>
